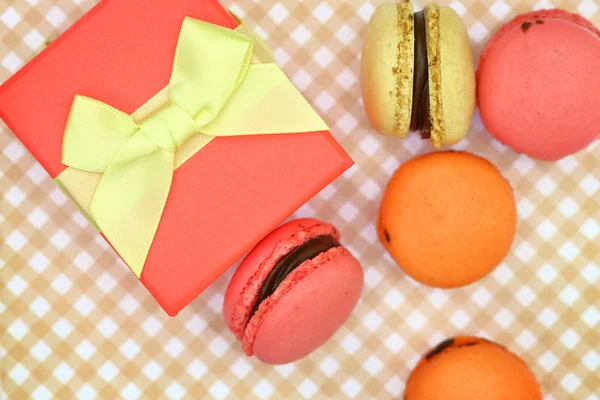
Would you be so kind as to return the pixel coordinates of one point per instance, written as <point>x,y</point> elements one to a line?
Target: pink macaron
<point>292,292</point>
<point>538,84</point>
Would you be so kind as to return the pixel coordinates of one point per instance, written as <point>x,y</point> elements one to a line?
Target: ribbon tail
<point>265,103</point>
<point>131,196</point>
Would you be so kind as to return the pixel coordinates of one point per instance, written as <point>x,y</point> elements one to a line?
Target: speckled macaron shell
<point>470,368</point>
<point>387,68</point>
<point>307,307</point>
<point>539,84</point>
<point>447,218</point>
<point>457,78</point>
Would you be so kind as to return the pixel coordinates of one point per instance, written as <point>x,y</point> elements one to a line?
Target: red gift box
<point>121,52</point>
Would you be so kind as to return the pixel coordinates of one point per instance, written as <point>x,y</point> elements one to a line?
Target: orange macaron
<point>448,218</point>
<point>470,368</point>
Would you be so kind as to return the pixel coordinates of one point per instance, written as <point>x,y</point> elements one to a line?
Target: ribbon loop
<point>210,63</point>
<point>90,143</point>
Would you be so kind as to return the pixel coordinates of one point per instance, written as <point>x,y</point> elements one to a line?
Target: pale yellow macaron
<point>417,73</point>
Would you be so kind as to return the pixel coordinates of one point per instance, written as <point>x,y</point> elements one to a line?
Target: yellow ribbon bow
<point>214,90</point>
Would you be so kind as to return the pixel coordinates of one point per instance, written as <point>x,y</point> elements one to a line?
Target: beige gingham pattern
<point>76,323</point>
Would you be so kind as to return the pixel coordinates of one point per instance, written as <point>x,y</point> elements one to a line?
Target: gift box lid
<point>226,197</point>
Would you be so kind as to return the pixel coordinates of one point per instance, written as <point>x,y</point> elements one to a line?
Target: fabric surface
<point>75,323</point>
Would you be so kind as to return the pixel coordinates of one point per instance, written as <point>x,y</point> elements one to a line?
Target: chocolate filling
<point>439,348</point>
<point>450,342</point>
<point>289,262</point>
<point>525,26</point>
<point>420,110</point>
<point>387,236</point>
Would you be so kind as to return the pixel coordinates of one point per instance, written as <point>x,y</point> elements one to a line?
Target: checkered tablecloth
<point>76,323</point>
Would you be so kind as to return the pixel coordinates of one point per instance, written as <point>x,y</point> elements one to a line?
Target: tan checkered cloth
<point>76,323</point>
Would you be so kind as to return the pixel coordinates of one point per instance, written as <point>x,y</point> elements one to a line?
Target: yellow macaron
<point>417,73</point>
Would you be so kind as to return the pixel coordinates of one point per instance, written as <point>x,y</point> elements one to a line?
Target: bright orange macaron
<point>448,218</point>
<point>470,368</point>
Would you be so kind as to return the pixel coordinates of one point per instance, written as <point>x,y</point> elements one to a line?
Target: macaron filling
<point>458,342</point>
<point>420,110</point>
<point>289,262</point>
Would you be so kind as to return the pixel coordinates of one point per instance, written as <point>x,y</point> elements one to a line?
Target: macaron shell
<point>249,266</point>
<point>457,76</point>
<point>472,369</point>
<point>306,309</point>
<point>387,60</point>
<point>533,16</point>
<point>447,218</point>
<point>436,107</point>
<point>539,88</point>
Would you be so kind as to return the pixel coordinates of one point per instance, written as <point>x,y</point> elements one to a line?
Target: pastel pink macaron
<point>538,84</point>
<point>292,292</point>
